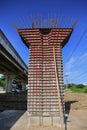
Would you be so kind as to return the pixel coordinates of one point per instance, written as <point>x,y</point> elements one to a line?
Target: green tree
<point>80,86</point>
<point>3,82</point>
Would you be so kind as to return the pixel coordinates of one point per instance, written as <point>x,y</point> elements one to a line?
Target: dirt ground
<point>76,108</point>
<point>75,101</point>
<point>77,120</point>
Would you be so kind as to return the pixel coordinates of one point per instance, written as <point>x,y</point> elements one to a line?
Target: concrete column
<point>9,83</point>
<point>23,86</point>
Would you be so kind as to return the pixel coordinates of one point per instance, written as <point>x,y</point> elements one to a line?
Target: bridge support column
<point>9,83</point>
<point>23,86</point>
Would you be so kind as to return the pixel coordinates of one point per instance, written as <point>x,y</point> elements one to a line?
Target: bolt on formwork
<point>45,98</point>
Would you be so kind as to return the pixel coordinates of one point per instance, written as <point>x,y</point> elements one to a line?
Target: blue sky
<point>74,58</point>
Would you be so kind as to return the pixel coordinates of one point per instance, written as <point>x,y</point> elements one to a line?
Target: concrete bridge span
<point>11,64</point>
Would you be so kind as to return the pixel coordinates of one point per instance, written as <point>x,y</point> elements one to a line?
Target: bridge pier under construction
<point>45,98</point>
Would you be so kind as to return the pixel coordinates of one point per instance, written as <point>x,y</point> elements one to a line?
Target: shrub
<point>80,86</point>
<point>85,91</point>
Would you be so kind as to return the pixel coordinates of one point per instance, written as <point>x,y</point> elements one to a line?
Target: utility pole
<point>66,78</point>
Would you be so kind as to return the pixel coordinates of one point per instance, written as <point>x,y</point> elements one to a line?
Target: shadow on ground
<point>9,118</point>
<point>12,107</point>
<point>68,106</point>
<point>67,111</point>
<point>13,101</point>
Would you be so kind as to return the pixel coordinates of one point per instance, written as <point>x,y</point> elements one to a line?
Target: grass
<point>78,89</point>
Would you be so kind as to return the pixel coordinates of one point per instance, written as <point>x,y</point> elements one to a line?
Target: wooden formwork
<point>45,73</point>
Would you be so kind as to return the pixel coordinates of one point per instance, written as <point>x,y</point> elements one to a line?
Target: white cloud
<point>83,57</point>
<point>70,63</point>
<point>70,70</point>
<point>75,67</point>
<point>84,83</point>
<point>67,73</point>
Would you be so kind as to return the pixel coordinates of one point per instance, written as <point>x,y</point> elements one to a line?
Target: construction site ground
<point>76,109</point>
